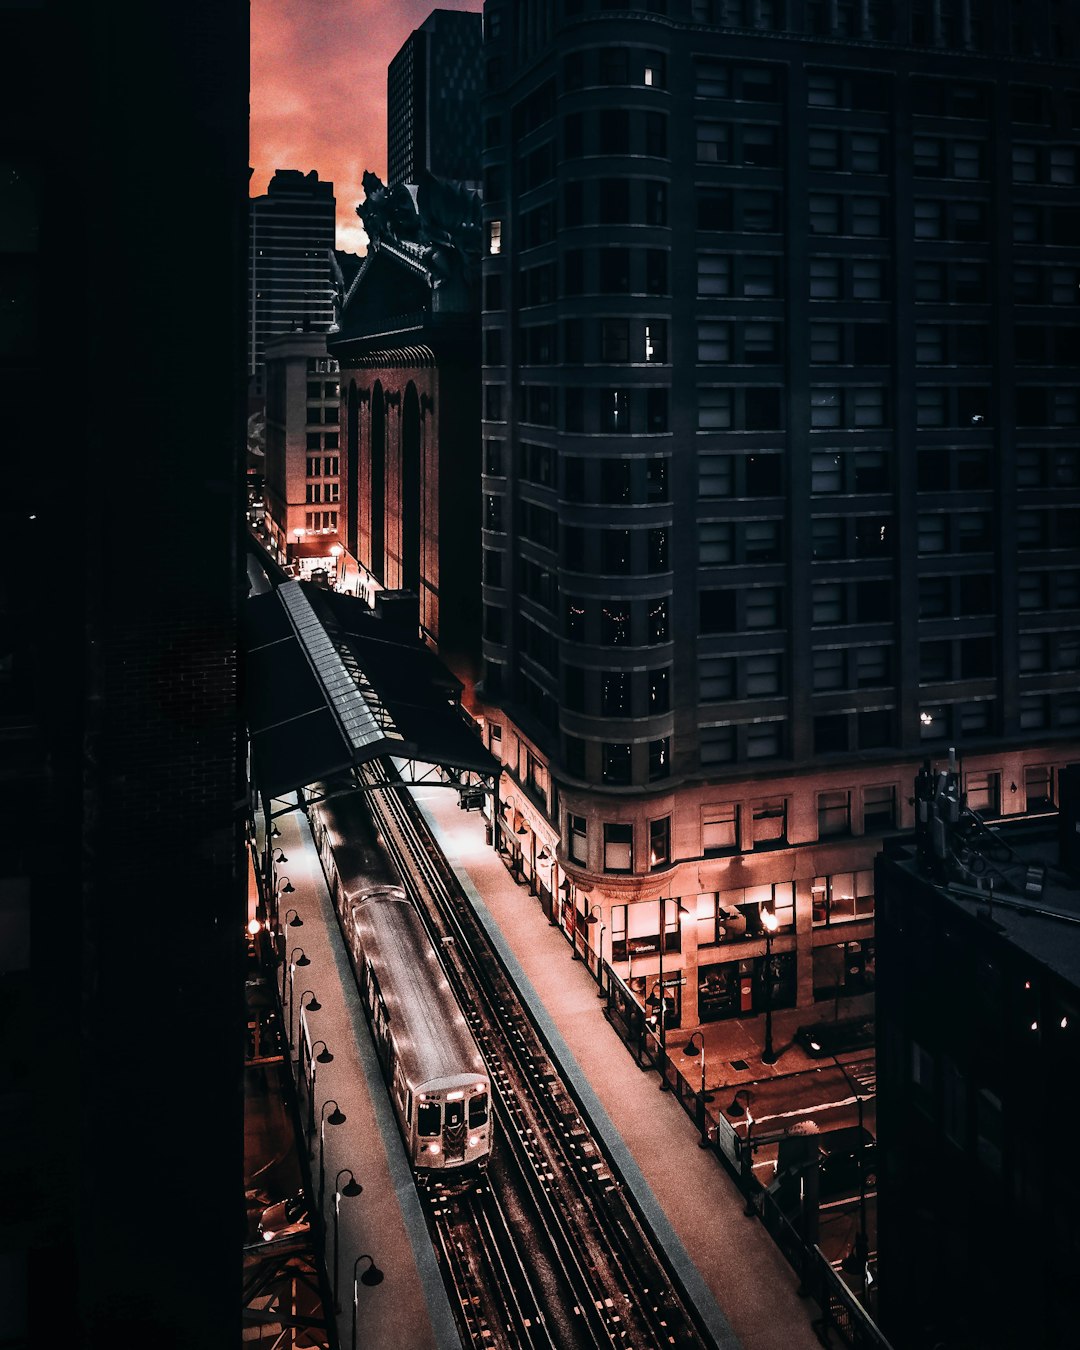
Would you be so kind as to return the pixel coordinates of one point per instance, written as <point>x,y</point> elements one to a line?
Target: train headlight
<point>474,1139</point>
<point>434,1148</point>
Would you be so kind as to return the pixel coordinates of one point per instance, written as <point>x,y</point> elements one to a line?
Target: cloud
<point>318,90</point>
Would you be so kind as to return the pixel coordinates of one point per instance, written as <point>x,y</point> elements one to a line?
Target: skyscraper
<point>292,232</point>
<point>782,424</point>
<point>433,91</point>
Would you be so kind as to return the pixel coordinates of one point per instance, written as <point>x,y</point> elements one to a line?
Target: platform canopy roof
<point>330,686</point>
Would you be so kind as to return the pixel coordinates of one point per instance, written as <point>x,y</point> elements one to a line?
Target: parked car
<point>822,1039</point>
<point>285,1218</point>
<point>839,1160</point>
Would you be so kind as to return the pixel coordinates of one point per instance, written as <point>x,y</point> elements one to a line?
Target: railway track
<point>545,1249</point>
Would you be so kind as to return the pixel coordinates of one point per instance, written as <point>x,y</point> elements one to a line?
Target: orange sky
<point>318,91</point>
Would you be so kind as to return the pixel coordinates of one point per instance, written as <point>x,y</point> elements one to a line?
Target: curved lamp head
<point>292,918</point>
<point>285,887</point>
<point>352,1186</point>
<point>279,856</point>
<point>372,1276</point>
<point>324,1056</point>
<point>690,1048</point>
<point>314,1005</point>
<point>337,1115</point>
<point>303,959</point>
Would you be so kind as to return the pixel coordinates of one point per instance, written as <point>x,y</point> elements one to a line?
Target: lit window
<point>495,237</point>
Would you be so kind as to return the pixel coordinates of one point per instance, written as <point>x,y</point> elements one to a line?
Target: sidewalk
<point>693,1204</point>
<point>409,1310</point>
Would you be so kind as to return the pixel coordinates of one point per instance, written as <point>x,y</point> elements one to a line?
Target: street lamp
<point>371,1277</point>
<point>313,1006</point>
<point>352,1187</point>
<point>292,963</point>
<point>771,922</point>
<point>663,1004</point>
<point>336,1117</point>
<point>323,1057</point>
<point>658,1002</point>
<point>691,1049</point>
<point>278,856</point>
<point>740,1103</point>
<point>593,918</point>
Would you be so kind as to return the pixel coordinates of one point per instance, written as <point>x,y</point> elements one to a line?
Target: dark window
<point>614,201</point>
<point>614,271</point>
<point>615,693</point>
<point>659,756</point>
<point>717,611</point>
<point>615,763</point>
<point>428,1118</point>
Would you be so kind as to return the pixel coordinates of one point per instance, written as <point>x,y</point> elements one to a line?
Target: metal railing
<point>841,1311</point>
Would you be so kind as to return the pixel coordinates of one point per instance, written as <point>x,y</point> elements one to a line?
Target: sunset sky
<point>318,91</point>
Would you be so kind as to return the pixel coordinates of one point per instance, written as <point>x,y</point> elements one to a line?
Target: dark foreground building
<point>781,451</point>
<point>978,1007</point>
<point>122,896</point>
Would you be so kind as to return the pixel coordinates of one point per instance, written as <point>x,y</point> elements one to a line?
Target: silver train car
<point>438,1082</point>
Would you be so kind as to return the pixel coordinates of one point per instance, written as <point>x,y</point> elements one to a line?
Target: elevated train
<point>436,1076</point>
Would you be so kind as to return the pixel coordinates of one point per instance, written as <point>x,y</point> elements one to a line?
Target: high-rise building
<point>782,453</point>
<point>292,233</point>
<point>302,452</point>
<point>433,90</point>
<point>978,1077</point>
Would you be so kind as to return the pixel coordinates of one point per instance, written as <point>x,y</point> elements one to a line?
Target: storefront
<point>738,988</point>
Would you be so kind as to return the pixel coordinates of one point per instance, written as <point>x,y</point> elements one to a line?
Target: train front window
<point>478,1110</point>
<point>428,1118</point>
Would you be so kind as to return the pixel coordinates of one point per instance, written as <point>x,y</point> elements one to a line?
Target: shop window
<point>618,847</point>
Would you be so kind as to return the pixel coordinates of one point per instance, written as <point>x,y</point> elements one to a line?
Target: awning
<point>331,686</point>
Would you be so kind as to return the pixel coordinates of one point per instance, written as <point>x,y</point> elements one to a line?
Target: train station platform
<point>409,1309</point>
<point>744,1287</point>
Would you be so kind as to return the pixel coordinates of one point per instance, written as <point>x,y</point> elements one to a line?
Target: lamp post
<point>323,1057</point>
<point>335,553</point>
<point>352,1187</point>
<point>750,1209</point>
<point>691,1049</point>
<point>294,921</point>
<point>299,531</point>
<point>293,962</point>
<point>371,1277</point>
<point>771,922</point>
<point>593,918</point>
<point>314,1006</point>
<point>663,995</point>
<point>336,1117</point>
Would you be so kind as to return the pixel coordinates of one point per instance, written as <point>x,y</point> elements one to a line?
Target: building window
<point>879,809</point>
<point>833,813</point>
<point>659,843</point>
<point>842,898</point>
<point>720,831</point>
<point>983,792</point>
<point>618,847</point>
<point>578,839</point>
<point>770,823</point>
<point>659,758</point>
<point>615,762</point>
<point>494,237</point>
<point>1039,787</point>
